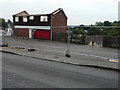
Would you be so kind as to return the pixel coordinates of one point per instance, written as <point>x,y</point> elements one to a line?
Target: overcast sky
<point>77,11</point>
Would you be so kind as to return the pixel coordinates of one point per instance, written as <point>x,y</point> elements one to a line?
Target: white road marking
<point>66,47</point>
<point>80,53</point>
<point>99,56</point>
<point>107,58</point>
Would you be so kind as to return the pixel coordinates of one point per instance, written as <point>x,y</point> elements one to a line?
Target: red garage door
<point>42,34</point>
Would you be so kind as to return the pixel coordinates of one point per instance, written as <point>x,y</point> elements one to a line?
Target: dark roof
<point>38,14</point>
<point>58,10</point>
<point>53,13</point>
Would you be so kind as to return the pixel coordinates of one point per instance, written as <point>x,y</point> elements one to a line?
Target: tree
<point>107,23</point>
<point>3,23</point>
<point>118,22</point>
<point>115,23</point>
<point>94,31</point>
<point>81,25</point>
<point>79,31</point>
<point>114,32</point>
<point>99,23</point>
<point>106,33</point>
<point>9,22</point>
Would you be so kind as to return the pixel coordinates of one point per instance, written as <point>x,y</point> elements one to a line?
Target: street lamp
<point>3,40</point>
<point>68,43</point>
<point>32,37</point>
<point>52,17</point>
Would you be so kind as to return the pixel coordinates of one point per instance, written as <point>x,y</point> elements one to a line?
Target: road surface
<point>58,49</point>
<point>26,72</point>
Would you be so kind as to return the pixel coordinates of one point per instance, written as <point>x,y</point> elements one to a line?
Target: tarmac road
<point>26,72</point>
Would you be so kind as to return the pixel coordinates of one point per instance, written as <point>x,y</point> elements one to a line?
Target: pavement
<point>97,57</point>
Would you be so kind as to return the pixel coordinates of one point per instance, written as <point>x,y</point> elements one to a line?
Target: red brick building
<point>44,24</point>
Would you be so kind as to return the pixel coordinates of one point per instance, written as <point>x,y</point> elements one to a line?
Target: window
<point>24,19</point>
<point>16,19</point>
<point>31,18</point>
<point>43,18</point>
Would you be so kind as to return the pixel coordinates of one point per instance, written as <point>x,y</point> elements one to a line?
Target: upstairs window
<point>24,19</point>
<point>31,18</point>
<point>44,18</point>
<point>16,19</point>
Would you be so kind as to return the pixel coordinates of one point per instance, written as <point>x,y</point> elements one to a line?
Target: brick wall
<point>21,32</point>
<point>59,20</point>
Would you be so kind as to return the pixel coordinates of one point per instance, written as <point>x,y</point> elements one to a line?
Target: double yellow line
<point>112,60</point>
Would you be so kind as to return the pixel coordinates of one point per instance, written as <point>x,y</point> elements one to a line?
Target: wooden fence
<point>111,41</point>
<point>61,37</point>
<point>75,38</point>
<point>105,41</point>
